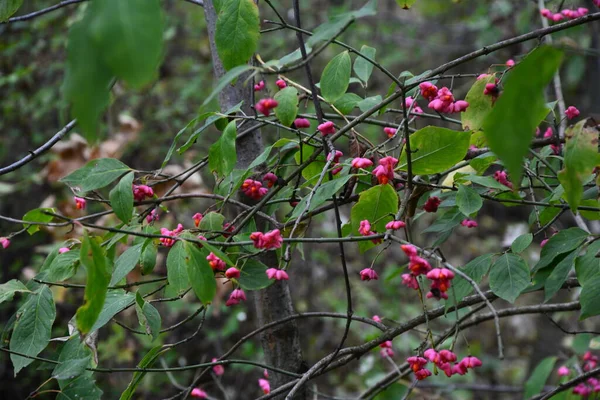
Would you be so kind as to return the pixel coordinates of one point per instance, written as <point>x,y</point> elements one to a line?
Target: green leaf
<point>148,316</point>
<point>62,267</point>
<point>287,107</point>
<point>33,327</point>
<point>37,215</point>
<point>481,163</point>
<point>212,222</point>
<point>589,298</point>
<point>217,5</point>
<point>218,253</point>
<point>363,68</point>
<point>96,174</point>
<point>509,276</point>
<point>267,151</point>
<point>116,301</point>
<point>237,32</point>
<point>146,362</point>
<point>536,382</point>
<point>587,266</point>
<point>347,102</point>
<point>435,150</point>
<point>179,134</point>
<point>521,243</point>
<point>314,168</point>
<point>485,181</point>
<point>129,37</point>
<point>581,157</point>
<point>559,275</point>
<point>176,268</point>
<point>476,270</point>
<point>480,105</point>
<point>94,260</point>
<point>336,77</point>
<point>322,194</point>
<point>74,348</point>
<point>563,242</point>
<point>8,290</point>
<point>8,8</point>
<point>253,275</point>
<point>221,155</point>
<point>148,257</point>
<point>87,78</point>
<point>369,102</point>
<point>226,79</point>
<point>211,118</point>
<point>547,214</point>
<point>468,200</point>
<point>378,205</point>
<point>121,198</point>
<point>406,4</point>
<point>335,26</point>
<point>591,215</point>
<point>71,368</point>
<point>82,387</point>
<point>518,111</point>
<point>581,343</point>
<point>125,263</point>
<point>446,222</point>
<point>200,273</point>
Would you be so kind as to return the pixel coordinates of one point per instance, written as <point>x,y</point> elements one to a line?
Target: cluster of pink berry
<point>566,13</point>
<point>261,85</point>
<point>444,360</point>
<point>591,385</point>
<point>326,128</point>
<point>441,100</point>
<point>255,190</point>
<point>264,106</point>
<point>80,203</point>
<point>140,192</point>
<point>268,241</point>
<point>502,177</point>
<point>386,349</point>
<point>364,229</point>
<point>384,172</point>
<point>169,242</point>
<point>469,223</point>
<point>336,161</point>
<point>235,297</point>
<point>215,262</point>
<point>201,394</point>
<point>432,204</point>
<point>548,133</point>
<point>264,384</point>
<point>440,277</point>
<point>360,162</point>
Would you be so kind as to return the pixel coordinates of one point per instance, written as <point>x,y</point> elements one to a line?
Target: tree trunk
<point>281,345</point>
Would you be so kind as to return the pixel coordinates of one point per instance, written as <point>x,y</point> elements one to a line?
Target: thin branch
<point>568,385</point>
<point>537,34</point>
<point>62,4</point>
<point>474,285</point>
<point>40,150</point>
<point>42,12</point>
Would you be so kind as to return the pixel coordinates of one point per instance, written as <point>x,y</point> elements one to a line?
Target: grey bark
<point>281,345</point>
